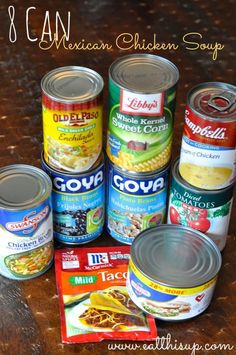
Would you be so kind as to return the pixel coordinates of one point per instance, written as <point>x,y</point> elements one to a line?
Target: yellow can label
<point>72,139</point>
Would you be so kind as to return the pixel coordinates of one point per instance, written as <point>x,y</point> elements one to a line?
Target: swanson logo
<point>142,104</point>
<point>29,222</point>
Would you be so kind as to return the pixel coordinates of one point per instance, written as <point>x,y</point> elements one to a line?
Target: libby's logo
<point>29,223</point>
<point>140,104</point>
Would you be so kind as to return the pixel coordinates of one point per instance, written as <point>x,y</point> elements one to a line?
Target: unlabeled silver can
<point>26,245</point>
<point>173,272</point>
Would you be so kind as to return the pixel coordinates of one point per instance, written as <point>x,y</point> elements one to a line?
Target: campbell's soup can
<point>173,272</point>
<point>204,210</point>
<point>135,201</point>
<point>72,118</point>
<point>208,157</point>
<point>142,93</point>
<point>78,202</point>
<point>26,229</point>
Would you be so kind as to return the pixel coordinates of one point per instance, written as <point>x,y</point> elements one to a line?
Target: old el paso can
<point>78,203</point>
<point>173,272</point>
<point>135,201</point>
<point>142,92</point>
<point>208,158</point>
<point>72,118</point>
<point>26,247</point>
<point>204,210</point>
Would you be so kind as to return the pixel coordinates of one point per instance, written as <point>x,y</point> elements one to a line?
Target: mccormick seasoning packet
<point>94,302</point>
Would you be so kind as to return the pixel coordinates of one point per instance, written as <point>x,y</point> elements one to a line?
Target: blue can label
<point>26,241</point>
<point>135,202</point>
<point>78,205</point>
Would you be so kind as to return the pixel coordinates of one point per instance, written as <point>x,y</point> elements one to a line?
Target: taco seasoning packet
<point>94,302</point>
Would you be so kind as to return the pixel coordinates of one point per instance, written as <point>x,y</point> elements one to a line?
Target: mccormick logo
<point>97,259</point>
<point>29,223</point>
<point>139,104</point>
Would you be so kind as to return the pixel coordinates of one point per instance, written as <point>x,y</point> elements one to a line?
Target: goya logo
<point>97,259</point>
<point>29,223</point>
<point>139,104</point>
<point>138,187</point>
<point>78,184</point>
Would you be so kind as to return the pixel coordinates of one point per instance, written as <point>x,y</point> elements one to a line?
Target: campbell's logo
<point>140,104</point>
<point>29,223</point>
<point>140,187</point>
<point>206,131</point>
<point>78,185</point>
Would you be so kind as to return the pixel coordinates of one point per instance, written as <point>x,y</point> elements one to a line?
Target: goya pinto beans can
<point>204,210</point>
<point>173,272</point>
<point>26,248</point>
<point>72,118</point>
<point>78,203</point>
<point>135,202</point>
<point>208,157</point>
<point>142,92</point>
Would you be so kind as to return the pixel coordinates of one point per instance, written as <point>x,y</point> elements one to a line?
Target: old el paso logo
<point>139,104</point>
<point>207,131</point>
<point>138,187</point>
<point>29,223</point>
<point>73,118</point>
<point>78,185</point>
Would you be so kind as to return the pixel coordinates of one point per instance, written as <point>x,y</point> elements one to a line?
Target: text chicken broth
<point>173,272</point>
<point>26,248</point>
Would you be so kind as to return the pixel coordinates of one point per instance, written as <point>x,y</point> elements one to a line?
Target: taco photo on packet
<point>94,302</point>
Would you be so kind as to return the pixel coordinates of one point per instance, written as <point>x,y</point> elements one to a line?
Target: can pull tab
<point>222,102</point>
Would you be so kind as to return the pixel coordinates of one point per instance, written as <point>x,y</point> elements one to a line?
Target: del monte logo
<point>29,223</point>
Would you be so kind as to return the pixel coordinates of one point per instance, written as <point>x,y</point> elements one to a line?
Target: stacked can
<point>72,157</point>
<point>203,178</point>
<point>142,92</point>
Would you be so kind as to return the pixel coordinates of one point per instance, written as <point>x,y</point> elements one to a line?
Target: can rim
<point>43,181</point>
<point>51,74</point>
<point>206,240</point>
<point>144,55</point>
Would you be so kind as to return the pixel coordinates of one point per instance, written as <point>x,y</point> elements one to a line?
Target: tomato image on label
<point>174,215</point>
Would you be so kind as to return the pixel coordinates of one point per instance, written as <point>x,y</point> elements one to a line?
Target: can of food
<point>26,247</point>
<point>204,210</point>
<point>135,201</point>
<point>173,272</point>
<point>208,158</point>
<point>142,92</point>
<point>72,118</point>
<point>78,203</point>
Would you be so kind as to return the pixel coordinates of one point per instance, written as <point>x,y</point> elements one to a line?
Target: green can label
<point>140,128</point>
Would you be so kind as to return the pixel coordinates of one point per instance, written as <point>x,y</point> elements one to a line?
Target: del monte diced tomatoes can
<point>204,210</point>
<point>142,93</point>
<point>72,118</point>
<point>208,156</point>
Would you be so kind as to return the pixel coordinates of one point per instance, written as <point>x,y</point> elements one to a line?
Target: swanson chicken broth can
<point>173,272</point>
<point>78,203</point>
<point>135,202</point>
<point>204,210</point>
<point>142,92</point>
<point>72,118</point>
<point>208,158</point>
<point>26,247</point>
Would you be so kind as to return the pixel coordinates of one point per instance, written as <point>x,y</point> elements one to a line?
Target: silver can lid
<point>23,186</point>
<point>72,84</point>
<point>176,256</point>
<point>144,73</point>
<point>214,101</point>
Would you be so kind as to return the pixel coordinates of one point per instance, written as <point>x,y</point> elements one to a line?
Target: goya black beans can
<point>142,92</point>
<point>78,203</point>
<point>26,230</point>
<point>72,118</point>
<point>208,155</point>
<point>204,210</point>
<point>135,201</point>
<point>173,272</point>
